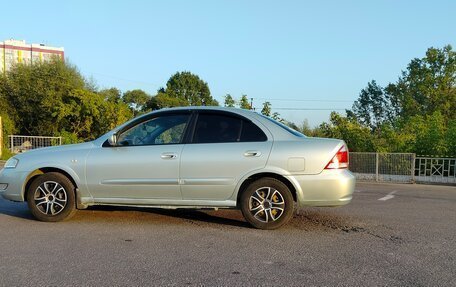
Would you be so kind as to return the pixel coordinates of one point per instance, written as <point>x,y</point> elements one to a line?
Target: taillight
<point>340,160</point>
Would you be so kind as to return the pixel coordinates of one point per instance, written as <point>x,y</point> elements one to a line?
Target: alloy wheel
<point>267,204</point>
<point>50,198</point>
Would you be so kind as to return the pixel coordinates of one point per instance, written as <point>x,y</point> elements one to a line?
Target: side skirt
<point>159,203</point>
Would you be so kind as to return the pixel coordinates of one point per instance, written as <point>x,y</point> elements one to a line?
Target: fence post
<point>413,167</point>
<point>11,143</point>
<point>376,166</point>
<point>1,137</point>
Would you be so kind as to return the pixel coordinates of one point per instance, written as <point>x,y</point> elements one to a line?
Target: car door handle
<point>250,153</point>
<point>168,155</point>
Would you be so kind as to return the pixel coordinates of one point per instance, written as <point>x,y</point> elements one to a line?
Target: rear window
<point>285,127</point>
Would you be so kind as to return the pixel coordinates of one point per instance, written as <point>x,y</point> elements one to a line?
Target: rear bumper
<point>329,188</point>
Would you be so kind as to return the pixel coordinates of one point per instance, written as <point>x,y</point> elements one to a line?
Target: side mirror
<point>112,140</point>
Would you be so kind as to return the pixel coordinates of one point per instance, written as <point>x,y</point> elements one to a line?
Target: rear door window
<point>214,128</point>
<point>219,128</point>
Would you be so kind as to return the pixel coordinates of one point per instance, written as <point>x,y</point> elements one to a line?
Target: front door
<point>144,164</point>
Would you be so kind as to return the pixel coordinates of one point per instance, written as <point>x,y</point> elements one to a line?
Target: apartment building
<point>17,51</point>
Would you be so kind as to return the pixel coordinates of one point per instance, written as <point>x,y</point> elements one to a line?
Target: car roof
<point>243,112</point>
<point>276,131</point>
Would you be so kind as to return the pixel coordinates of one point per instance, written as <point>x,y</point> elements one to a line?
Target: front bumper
<point>329,188</point>
<point>11,184</point>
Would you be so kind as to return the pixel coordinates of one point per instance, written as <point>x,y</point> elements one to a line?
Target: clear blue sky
<point>307,50</point>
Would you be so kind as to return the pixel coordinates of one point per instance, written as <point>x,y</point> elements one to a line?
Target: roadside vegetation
<point>417,113</point>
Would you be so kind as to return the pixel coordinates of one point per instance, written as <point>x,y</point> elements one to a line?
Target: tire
<point>267,203</point>
<point>51,197</point>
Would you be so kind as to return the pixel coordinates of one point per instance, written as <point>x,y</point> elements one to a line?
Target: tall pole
<point>1,137</point>
<point>376,166</point>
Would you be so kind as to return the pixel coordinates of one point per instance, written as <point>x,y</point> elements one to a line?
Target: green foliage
<point>305,129</point>
<point>164,100</point>
<point>229,101</point>
<point>244,103</point>
<point>428,134</point>
<point>8,126</point>
<point>357,136</point>
<point>6,154</point>
<point>136,99</point>
<point>428,85</point>
<point>189,89</point>
<point>450,138</point>
<point>373,106</point>
<point>415,114</point>
<point>113,95</point>
<point>52,98</point>
<point>182,89</point>
<point>266,110</point>
<point>35,92</point>
<point>276,116</point>
<point>69,138</point>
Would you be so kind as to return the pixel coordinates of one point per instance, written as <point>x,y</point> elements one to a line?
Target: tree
<point>305,128</point>
<point>276,116</point>
<point>136,99</point>
<point>229,101</point>
<point>266,110</point>
<point>244,103</point>
<point>373,106</point>
<point>52,98</point>
<point>164,100</point>
<point>358,137</point>
<point>450,138</point>
<point>416,113</point>
<point>189,88</point>
<point>428,134</point>
<point>427,85</point>
<point>35,93</point>
<point>113,95</point>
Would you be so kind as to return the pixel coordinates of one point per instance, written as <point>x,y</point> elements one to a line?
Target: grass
<point>6,154</point>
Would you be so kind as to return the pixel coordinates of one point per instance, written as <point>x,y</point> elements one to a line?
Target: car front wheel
<point>267,203</point>
<point>51,197</point>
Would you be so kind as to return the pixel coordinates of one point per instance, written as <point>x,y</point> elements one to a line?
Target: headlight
<point>11,163</point>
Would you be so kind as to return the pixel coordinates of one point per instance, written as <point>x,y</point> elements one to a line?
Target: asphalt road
<point>405,239</point>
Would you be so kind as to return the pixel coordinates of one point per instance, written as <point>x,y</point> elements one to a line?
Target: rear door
<point>224,147</point>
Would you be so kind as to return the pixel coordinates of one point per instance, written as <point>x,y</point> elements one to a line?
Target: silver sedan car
<point>191,157</point>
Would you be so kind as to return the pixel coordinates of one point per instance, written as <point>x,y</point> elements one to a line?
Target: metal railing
<point>397,167</point>
<point>19,144</point>
<point>435,170</point>
<point>402,167</point>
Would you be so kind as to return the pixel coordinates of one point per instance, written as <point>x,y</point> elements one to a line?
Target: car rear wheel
<point>267,203</point>
<point>51,197</point>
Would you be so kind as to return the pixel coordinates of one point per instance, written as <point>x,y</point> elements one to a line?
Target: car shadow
<point>199,217</point>
<point>308,219</point>
<point>20,210</point>
<point>15,209</point>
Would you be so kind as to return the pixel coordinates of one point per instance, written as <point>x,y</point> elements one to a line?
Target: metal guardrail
<point>19,144</point>
<point>402,167</point>
<point>435,170</point>
<point>397,167</point>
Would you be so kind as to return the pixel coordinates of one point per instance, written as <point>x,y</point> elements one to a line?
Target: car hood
<point>55,149</point>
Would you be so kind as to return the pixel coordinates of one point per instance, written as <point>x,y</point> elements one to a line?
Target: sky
<point>314,55</point>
